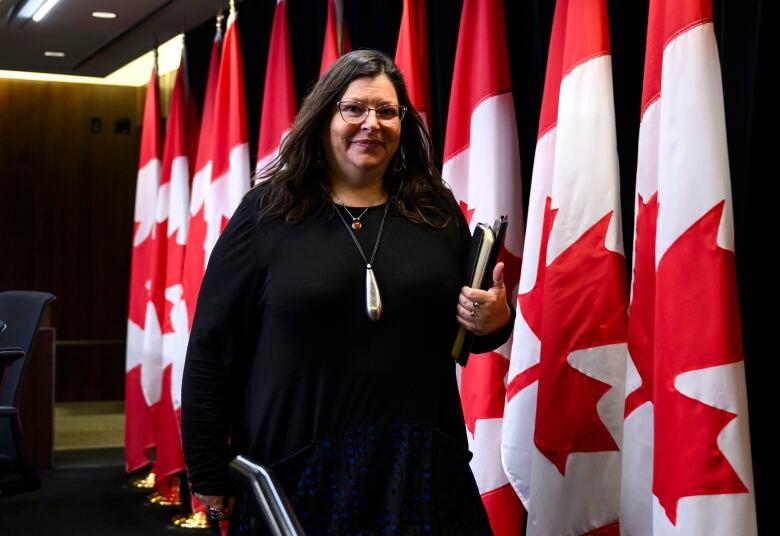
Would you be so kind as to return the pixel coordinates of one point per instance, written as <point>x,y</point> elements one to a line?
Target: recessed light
<point>103,15</point>
<point>54,54</point>
<point>44,9</point>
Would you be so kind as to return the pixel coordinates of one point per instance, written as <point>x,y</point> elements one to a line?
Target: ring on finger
<point>216,513</point>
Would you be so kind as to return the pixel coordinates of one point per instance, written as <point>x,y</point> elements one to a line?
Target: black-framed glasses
<point>354,112</point>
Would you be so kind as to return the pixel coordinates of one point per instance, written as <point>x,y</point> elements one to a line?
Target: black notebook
<point>485,246</point>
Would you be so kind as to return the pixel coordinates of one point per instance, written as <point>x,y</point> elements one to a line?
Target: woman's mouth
<point>367,143</point>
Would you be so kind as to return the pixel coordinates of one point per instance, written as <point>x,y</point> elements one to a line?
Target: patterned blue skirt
<point>398,479</point>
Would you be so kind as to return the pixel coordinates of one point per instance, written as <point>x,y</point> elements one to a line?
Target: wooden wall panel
<point>66,218</point>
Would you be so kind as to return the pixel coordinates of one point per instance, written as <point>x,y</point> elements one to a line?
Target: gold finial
<point>156,55</point>
<point>233,13</point>
<point>220,20</point>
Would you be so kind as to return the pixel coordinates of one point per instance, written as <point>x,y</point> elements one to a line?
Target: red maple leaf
<point>531,301</point>
<point>530,304</point>
<point>140,273</point>
<point>482,387</point>
<point>223,223</point>
<point>584,307</point>
<point>697,326</point>
<point>194,262</point>
<point>467,212</point>
<point>642,309</point>
<point>521,381</point>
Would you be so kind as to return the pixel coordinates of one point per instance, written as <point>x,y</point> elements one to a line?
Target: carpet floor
<point>85,501</point>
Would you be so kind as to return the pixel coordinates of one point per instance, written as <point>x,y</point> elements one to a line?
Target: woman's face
<point>359,154</point>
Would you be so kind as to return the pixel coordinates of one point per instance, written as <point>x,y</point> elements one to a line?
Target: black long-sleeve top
<point>282,354</point>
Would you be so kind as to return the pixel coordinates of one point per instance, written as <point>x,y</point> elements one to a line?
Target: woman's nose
<point>370,121</point>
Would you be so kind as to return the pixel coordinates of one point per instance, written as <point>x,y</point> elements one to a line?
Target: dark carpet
<point>86,502</point>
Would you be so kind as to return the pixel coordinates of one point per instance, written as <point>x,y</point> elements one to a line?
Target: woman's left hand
<point>484,311</point>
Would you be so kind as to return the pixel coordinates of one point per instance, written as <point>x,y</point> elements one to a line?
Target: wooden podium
<point>36,398</point>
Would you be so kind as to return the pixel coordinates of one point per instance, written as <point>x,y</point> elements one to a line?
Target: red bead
<point>357,225</point>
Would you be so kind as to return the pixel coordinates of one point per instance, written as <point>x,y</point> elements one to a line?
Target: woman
<point>320,344</point>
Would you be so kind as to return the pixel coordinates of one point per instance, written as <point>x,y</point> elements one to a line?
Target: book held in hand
<point>483,253</point>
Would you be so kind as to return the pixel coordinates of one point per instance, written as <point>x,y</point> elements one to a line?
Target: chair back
<point>21,312</point>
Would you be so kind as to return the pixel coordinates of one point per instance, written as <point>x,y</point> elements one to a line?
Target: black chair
<point>21,312</point>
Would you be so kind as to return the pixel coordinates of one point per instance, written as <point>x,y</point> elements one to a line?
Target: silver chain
<point>369,263</point>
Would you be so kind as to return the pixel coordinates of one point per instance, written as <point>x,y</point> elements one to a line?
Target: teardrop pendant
<point>373,298</point>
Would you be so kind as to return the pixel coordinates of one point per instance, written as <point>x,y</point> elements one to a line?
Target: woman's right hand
<point>217,503</point>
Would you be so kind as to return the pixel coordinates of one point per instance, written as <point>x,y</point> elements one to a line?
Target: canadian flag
<point>143,361</point>
<point>195,252</point>
<point>336,35</point>
<point>563,418</point>
<point>279,94</point>
<point>411,56</point>
<point>686,462</point>
<point>182,121</point>
<point>229,145</point>
<point>194,263</point>
<point>222,164</point>
<point>482,164</point>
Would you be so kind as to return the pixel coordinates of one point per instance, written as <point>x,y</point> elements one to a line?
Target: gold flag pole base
<point>195,520</point>
<point>143,482</point>
<point>164,500</point>
<point>168,498</point>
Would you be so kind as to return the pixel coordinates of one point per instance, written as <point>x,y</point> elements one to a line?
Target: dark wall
<point>66,220</point>
<point>742,33</point>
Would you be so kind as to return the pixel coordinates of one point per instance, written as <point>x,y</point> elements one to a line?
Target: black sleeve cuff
<point>491,341</point>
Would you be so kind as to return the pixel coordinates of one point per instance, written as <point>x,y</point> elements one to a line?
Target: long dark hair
<point>295,184</point>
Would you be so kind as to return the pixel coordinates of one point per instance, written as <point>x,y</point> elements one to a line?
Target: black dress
<point>360,421</point>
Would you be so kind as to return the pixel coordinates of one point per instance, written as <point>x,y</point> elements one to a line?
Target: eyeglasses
<point>354,112</point>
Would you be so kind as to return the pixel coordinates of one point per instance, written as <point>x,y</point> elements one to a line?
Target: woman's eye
<point>387,113</point>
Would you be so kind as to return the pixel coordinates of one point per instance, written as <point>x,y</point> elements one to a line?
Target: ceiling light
<point>103,15</point>
<point>134,74</point>
<point>44,9</point>
<point>54,54</point>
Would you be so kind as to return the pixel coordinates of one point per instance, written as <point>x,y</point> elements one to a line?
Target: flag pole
<point>220,20</point>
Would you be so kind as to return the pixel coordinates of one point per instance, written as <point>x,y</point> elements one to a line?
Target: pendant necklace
<point>357,222</point>
<point>373,298</point>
